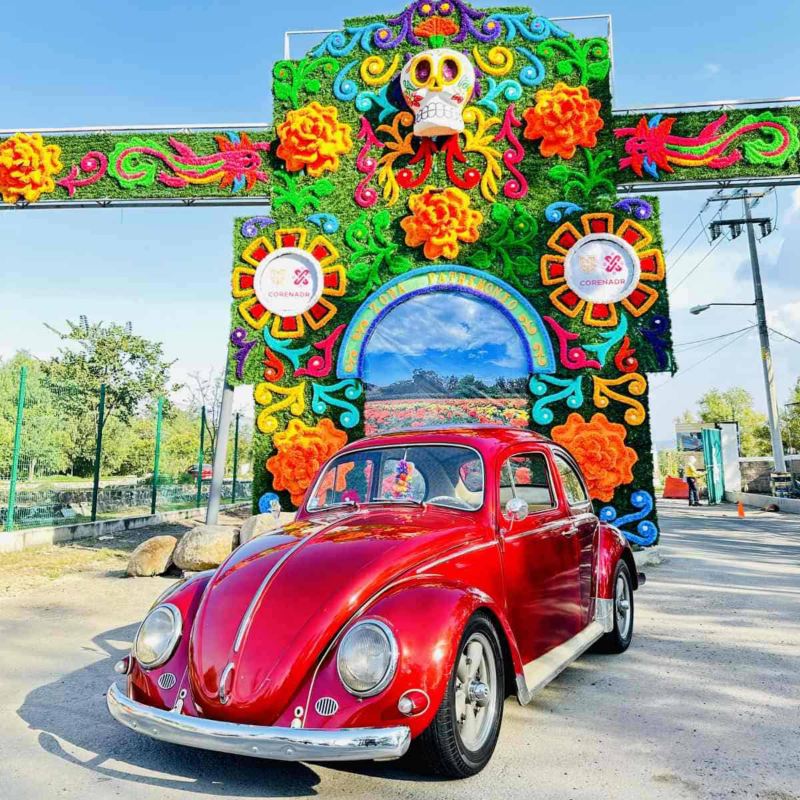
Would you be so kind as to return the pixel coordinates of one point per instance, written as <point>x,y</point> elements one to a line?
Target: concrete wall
<point>786,504</point>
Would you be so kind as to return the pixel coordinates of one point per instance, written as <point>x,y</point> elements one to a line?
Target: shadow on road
<point>75,726</point>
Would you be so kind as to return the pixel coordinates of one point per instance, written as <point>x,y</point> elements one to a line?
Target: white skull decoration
<point>437,84</point>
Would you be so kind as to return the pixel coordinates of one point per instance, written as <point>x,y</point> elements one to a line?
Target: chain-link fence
<point>65,457</point>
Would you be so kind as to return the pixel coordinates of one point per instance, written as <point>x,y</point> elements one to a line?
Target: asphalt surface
<point>705,703</point>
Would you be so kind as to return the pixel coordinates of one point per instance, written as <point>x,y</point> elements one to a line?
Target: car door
<point>540,554</point>
<point>586,525</point>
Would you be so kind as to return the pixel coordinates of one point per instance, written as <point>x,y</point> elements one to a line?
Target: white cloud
<point>710,69</point>
<point>444,321</point>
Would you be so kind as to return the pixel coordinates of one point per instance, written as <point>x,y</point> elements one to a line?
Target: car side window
<point>574,489</point>
<point>525,476</point>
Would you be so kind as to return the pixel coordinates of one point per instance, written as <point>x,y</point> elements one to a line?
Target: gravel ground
<point>703,705</point>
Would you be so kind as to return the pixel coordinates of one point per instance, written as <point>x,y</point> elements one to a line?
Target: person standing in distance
<point>692,473</point>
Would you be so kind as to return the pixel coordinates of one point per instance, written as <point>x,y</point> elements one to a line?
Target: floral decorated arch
<point>451,149</point>
<point>403,145</point>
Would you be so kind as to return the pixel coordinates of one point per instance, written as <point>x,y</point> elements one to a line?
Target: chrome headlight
<point>367,658</point>
<point>158,635</point>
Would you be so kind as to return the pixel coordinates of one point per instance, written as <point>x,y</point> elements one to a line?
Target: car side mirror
<point>517,509</point>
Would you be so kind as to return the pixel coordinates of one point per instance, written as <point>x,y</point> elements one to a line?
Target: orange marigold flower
<point>302,450</point>
<point>440,220</point>
<point>600,450</point>
<point>564,118</point>
<point>312,137</point>
<point>27,167</point>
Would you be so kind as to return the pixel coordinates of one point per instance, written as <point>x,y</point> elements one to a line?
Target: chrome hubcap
<point>622,606</point>
<point>475,692</point>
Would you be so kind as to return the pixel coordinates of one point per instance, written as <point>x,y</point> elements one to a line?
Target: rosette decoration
<point>255,313</point>
<point>312,138</point>
<point>302,450</point>
<point>600,450</point>
<point>564,118</point>
<point>642,296</point>
<point>439,221</point>
<point>27,167</point>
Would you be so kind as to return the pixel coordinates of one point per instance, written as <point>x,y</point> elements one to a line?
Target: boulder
<point>262,523</point>
<point>152,557</point>
<point>205,547</point>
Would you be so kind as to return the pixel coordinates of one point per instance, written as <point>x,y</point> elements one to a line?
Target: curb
<point>15,541</point>
<point>649,557</point>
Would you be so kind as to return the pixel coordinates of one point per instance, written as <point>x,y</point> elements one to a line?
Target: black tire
<point>619,639</point>
<point>440,748</point>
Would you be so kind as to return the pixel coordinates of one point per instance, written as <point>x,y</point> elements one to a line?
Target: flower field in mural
<point>391,415</point>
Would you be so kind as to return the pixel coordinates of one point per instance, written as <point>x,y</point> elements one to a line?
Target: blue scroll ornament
<point>294,354</point>
<point>532,74</point>
<point>536,30</point>
<point>324,395</point>
<point>327,223</point>
<point>509,88</point>
<point>346,90</point>
<point>611,337</point>
<point>571,391</point>
<point>647,532</point>
<point>555,212</point>
<point>338,45</point>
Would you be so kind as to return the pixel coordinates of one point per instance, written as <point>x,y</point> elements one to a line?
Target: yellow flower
<point>439,220</point>
<point>312,137</point>
<point>27,167</point>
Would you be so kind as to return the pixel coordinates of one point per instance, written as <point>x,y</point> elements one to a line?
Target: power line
<point>786,336</point>
<point>694,268</point>
<point>702,360</point>
<point>714,338</point>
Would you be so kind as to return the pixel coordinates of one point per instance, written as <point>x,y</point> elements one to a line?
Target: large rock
<point>262,523</point>
<point>205,547</point>
<point>152,557</point>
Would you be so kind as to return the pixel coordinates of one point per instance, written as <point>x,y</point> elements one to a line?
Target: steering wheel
<point>446,499</point>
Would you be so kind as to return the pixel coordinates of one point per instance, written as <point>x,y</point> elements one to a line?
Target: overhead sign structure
<point>442,148</point>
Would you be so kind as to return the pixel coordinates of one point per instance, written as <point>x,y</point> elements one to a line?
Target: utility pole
<point>735,226</point>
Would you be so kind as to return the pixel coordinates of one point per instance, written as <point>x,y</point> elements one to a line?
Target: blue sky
<point>99,63</point>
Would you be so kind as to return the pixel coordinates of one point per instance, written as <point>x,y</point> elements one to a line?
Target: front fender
<point>427,619</point>
<point>143,683</point>
<point>612,546</point>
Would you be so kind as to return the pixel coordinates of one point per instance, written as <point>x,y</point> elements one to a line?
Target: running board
<point>539,672</point>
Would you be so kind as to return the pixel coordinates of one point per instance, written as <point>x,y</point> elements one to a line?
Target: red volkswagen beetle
<point>428,576</point>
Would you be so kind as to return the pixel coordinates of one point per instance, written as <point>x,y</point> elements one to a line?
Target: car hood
<point>301,584</point>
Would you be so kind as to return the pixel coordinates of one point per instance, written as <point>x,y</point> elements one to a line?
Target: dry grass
<point>108,555</point>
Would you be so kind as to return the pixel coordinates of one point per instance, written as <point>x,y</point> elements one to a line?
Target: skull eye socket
<point>450,71</point>
<point>421,71</point>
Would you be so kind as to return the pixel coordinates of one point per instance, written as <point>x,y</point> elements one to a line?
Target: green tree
<point>46,437</point>
<point>133,370</point>
<point>790,423</point>
<point>736,405</point>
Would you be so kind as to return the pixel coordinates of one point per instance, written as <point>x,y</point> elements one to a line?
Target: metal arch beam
<point>257,201</point>
<point>707,184</point>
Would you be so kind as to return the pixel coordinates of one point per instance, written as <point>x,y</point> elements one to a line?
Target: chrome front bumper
<point>283,744</point>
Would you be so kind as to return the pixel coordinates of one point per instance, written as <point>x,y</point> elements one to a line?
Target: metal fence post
<point>156,455</point>
<point>98,449</point>
<point>12,489</point>
<point>235,456</point>
<point>200,457</point>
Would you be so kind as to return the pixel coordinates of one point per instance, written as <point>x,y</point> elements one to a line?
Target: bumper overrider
<point>283,744</point>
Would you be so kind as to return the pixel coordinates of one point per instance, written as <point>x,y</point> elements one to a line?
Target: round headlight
<point>157,636</point>
<point>367,658</point>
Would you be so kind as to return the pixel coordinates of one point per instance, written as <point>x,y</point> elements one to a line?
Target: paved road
<point>703,705</point>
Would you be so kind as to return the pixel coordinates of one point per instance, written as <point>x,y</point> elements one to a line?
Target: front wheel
<point>462,736</point>
<point>618,639</point>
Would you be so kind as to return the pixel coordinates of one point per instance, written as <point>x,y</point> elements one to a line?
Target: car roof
<point>484,438</point>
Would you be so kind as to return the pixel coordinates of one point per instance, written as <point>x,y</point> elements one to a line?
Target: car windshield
<point>442,475</point>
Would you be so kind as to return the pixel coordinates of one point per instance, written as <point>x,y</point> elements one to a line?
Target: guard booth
<point>712,455</point>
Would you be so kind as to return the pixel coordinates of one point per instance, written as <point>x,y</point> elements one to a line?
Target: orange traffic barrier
<point>740,510</point>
